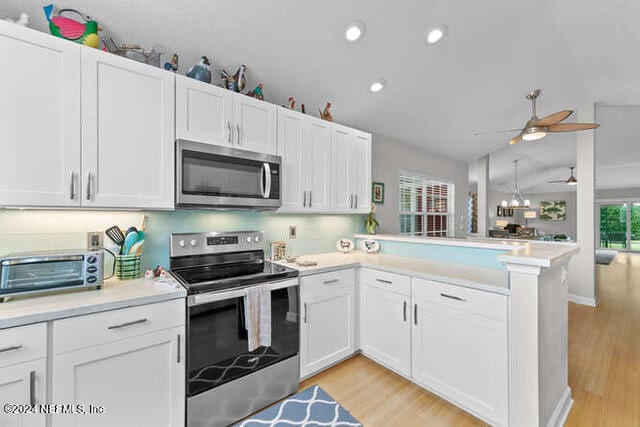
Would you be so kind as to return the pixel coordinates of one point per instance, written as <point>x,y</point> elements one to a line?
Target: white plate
<point>345,245</point>
<point>370,246</point>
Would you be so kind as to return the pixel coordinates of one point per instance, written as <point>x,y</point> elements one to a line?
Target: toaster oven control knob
<point>193,242</point>
<point>92,279</point>
<point>181,243</point>
<point>249,239</point>
<point>256,239</point>
<point>92,269</point>
<point>91,259</point>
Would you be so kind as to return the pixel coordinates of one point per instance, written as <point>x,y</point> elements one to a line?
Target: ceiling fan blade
<point>515,139</point>
<point>571,127</point>
<point>564,181</point>
<point>554,118</point>
<point>496,131</point>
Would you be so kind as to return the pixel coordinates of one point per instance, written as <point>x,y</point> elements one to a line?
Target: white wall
<point>618,194</point>
<point>390,157</point>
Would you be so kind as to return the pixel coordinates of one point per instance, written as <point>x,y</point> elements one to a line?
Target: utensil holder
<point>127,266</point>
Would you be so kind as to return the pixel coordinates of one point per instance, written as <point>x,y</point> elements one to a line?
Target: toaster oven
<point>31,272</point>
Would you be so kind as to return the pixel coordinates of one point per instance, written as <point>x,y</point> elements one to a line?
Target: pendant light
<point>517,200</point>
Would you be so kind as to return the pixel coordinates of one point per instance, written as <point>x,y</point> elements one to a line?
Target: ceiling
<point>436,96</point>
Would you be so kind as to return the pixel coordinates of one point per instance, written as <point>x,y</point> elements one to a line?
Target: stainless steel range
<point>228,375</point>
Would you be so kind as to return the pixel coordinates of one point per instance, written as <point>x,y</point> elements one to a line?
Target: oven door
<point>217,336</point>
<point>221,177</point>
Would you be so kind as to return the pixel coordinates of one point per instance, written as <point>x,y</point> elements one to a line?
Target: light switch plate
<point>293,232</point>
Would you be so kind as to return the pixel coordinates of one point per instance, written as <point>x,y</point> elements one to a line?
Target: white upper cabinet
<point>352,170</point>
<point>39,119</point>
<point>304,143</point>
<point>204,112</point>
<point>361,170</point>
<point>255,124</point>
<point>127,134</point>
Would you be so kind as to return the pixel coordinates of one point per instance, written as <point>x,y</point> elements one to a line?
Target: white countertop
<point>113,295</point>
<point>488,279</point>
<point>523,252</point>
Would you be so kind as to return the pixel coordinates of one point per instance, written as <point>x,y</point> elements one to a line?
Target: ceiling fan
<point>572,180</point>
<point>536,128</point>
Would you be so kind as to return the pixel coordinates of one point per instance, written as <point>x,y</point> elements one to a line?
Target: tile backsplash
<point>27,230</point>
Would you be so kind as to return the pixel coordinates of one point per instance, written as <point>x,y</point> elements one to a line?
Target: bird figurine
<point>22,20</point>
<point>292,103</point>
<point>236,82</point>
<point>326,114</point>
<point>257,92</point>
<point>201,71</point>
<point>173,64</point>
<point>85,33</point>
<point>302,109</point>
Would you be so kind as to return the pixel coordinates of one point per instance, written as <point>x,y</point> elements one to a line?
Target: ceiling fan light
<point>570,182</point>
<point>534,133</point>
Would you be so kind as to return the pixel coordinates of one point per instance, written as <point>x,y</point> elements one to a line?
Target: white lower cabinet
<point>23,384</point>
<point>385,322</point>
<point>327,330</point>
<point>459,352</point>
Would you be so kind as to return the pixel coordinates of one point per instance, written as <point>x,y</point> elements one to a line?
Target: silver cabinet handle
<point>124,325</point>
<point>452,297</point>
<point>88,185</point>
<point>229,133</point>
<point>415,314</point>
<point>72,185</point>
<point>32,388</point>
<point>304,200</point>
<point>328,282</point>
<point>11,348</point>
<point>238,133</point>
<point>310,193</point>
<point>404,311</point>
<point>305,312</point>
<point>351,201</point>
<point>179,345</point>
<point>388,282</point>
<point>356,197</point>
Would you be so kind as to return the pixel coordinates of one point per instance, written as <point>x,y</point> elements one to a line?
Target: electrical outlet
<point>94,240</point>
<point>293,233</point>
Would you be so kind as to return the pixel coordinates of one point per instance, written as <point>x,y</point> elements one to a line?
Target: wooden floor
<point>604,367</point>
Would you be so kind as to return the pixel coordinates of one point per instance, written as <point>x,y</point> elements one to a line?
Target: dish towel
<point>257,312</point>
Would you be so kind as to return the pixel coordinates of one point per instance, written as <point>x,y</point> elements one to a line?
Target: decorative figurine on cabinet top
<point>326,114</point>
<point>201,71</point>
<point>257,92</point>
<point>22,20</point>
<point>173,64</point>
<point>292,103</point>
<point>236,82</point>
<point>85,33</point>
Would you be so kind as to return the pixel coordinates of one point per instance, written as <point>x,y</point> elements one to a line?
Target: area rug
<point>605,257</point>
<point>312,407</point>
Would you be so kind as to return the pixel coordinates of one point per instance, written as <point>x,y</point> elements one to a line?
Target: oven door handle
<point>205,298</point>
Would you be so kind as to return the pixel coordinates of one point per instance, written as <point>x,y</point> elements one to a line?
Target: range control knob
<point>181,243</point>
<point>256,239</point>
<point>92,269</point>
<point>91,259</point>
<point>249,239</point>
<point>193,242</point>
<point>92,279</point>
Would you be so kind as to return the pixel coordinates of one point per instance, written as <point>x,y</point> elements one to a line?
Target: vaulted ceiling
<point>436,96</point>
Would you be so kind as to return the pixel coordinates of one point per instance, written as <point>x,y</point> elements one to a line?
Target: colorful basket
<point>127,266</point>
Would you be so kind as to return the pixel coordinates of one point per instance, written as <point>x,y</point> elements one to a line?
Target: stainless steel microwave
<point>212,176</point>
<point>30,272</point>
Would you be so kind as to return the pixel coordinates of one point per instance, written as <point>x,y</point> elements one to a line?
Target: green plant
<point>371,224</point>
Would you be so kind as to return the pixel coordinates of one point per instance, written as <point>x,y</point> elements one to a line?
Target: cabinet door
<point>292,147</point>
<point>255,124</point>
<point>138,381</point>
<point>462,357</point>
<point>203,112</point>
<point>23,384</point>
<point>39,119</point>
<point>361,171</point>
<point>327,329</point>
<point>341,170</point>
<point>385,327</point>
<point>128,133</point>
<point>318,169</point>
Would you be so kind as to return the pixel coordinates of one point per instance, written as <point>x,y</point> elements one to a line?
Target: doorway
<point>620,226</point>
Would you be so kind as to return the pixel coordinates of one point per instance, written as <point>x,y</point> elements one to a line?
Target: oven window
<point>214,175</point>
<point>41,275</point>
<point>218,345</point>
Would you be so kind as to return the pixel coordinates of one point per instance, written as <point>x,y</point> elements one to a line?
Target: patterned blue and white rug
<point>312,407</point>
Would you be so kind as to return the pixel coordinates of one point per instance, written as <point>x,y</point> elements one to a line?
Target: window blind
<point>426,206</point>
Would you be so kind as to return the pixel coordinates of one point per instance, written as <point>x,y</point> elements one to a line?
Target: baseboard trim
<point>582,300</point>
<point>562,409</point>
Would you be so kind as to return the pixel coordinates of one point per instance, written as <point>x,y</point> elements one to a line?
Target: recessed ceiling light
<point>377,86</point>
<point>435,34</point>
<point>354,31</point>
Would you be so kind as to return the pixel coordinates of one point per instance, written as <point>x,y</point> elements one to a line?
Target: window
<point>426,206</point>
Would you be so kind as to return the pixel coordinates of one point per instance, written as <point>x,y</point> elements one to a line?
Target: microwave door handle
<point>262,180</point>
<point>267,173</point>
